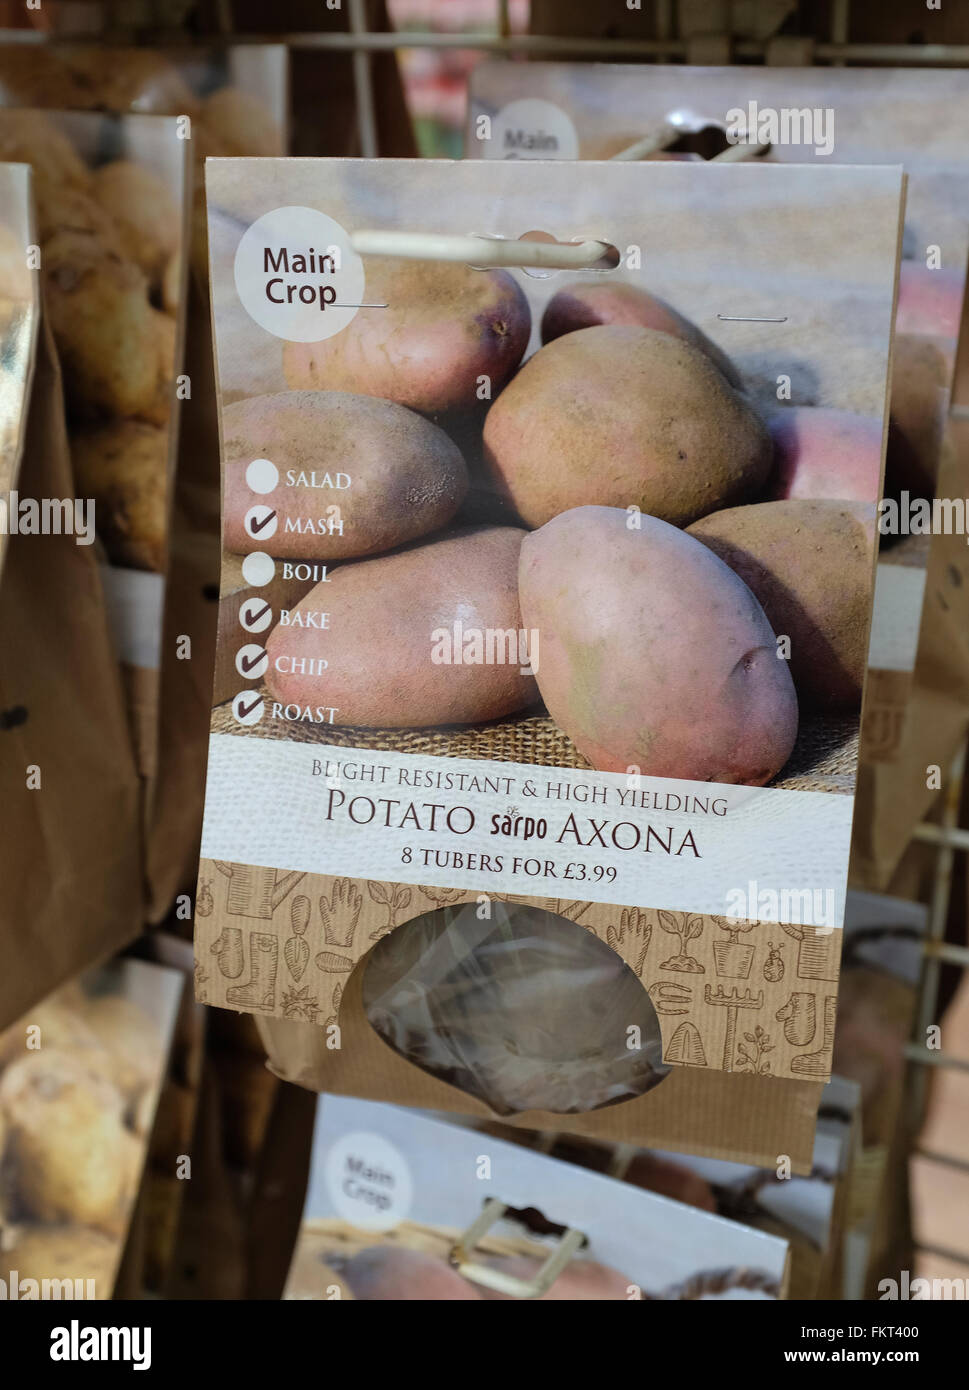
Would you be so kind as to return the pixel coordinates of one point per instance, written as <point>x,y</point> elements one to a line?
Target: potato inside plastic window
<point>525,1011</point>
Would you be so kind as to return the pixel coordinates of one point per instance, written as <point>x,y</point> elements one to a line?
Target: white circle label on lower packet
<point>297,275</point>
<point>532,128</point>
<point>368,1181</point>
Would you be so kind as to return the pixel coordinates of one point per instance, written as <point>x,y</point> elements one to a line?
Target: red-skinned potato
<point>618,416</point>
<point>916,415</point>
<point>929,301</point>
<point>821,453</point>
<point>388,1273</point>
<point>397,615</point>
<point>653,654</point>
<point>445,327</point>
<point>810,566</point>
<point>393,475</point>
<point>610,301</point>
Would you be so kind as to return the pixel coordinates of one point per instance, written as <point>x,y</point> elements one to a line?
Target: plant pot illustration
<point>818,951</point>
<point>733,958</point>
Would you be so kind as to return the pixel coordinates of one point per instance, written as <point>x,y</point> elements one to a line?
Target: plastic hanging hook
<point>485,252</point>
<point>462,1252</point>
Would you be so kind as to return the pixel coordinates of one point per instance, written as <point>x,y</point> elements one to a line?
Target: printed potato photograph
<point>569,518</point>
<point>80,1077</point>
<point>393,1211</point>
<point>110,194</point>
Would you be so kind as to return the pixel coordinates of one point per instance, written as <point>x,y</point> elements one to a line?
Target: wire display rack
<point>946,837</point>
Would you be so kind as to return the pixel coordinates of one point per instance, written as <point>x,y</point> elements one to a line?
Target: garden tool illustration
<point>686,1047</point>
<point>819,1063</point>
<point>255,892</point>
<point>259,992</point>
<point>670,997</point>
<point>296,951</point>
<point>798,1016</point>
<point>732,1002</point>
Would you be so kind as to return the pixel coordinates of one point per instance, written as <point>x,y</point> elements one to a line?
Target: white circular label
<point>262,476</point>
<point>297,275</point>
<point>248,707</point>
<point>368,1181</point>
<point>532,129</point>
<point>258,568</point>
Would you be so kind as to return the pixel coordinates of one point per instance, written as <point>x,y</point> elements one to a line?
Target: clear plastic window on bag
<point>525,1010</point>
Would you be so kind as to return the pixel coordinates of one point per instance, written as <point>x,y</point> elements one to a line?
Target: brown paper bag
<point>893,797</point>
<point>70,855</point>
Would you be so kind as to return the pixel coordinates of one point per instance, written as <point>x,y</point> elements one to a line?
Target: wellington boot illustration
<point>819,1063</point>
<point>799,1019</point>
<point>260,990</point>
<point>686,1047</point>
<point>227,949</point>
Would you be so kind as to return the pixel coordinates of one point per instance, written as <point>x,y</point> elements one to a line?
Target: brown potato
<point>69,1155</point>
<point>651,657</point>
<point>124,467</point>
<point>623,416</point>
<point>141,204</point>
<point>392,475</point>
<point>383,671</point>
<point>810,566</point>
<point>136,79</point>
<point>239,124</point>
<point>392,1273</point>
<point>107,332</point>
<point>445,327</point>
<point>611,301</point>
<point>28,137</point>
<point>917,410</point>
<point>63,1252</point>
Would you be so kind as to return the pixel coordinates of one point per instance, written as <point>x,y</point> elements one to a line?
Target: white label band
<point>518,828</point>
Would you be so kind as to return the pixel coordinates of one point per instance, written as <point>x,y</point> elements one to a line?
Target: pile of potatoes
<point>77,1091</point>
<point>111,243</point>
<point>659,535</point>
<point>110,239</point>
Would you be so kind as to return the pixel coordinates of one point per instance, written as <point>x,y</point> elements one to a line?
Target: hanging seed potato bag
<point>223,100</point>
<point>545,713</point>
<point>70,855</point>
<point>801,116</point>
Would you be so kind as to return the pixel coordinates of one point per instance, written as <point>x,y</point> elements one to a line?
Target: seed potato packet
<point>393,1197</point>
<point>812,116</point>
<point>112,223</point>
<point>70,853</point>
<point>80,1076</point>
<point>388,762</point>
<point>228,99</point>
